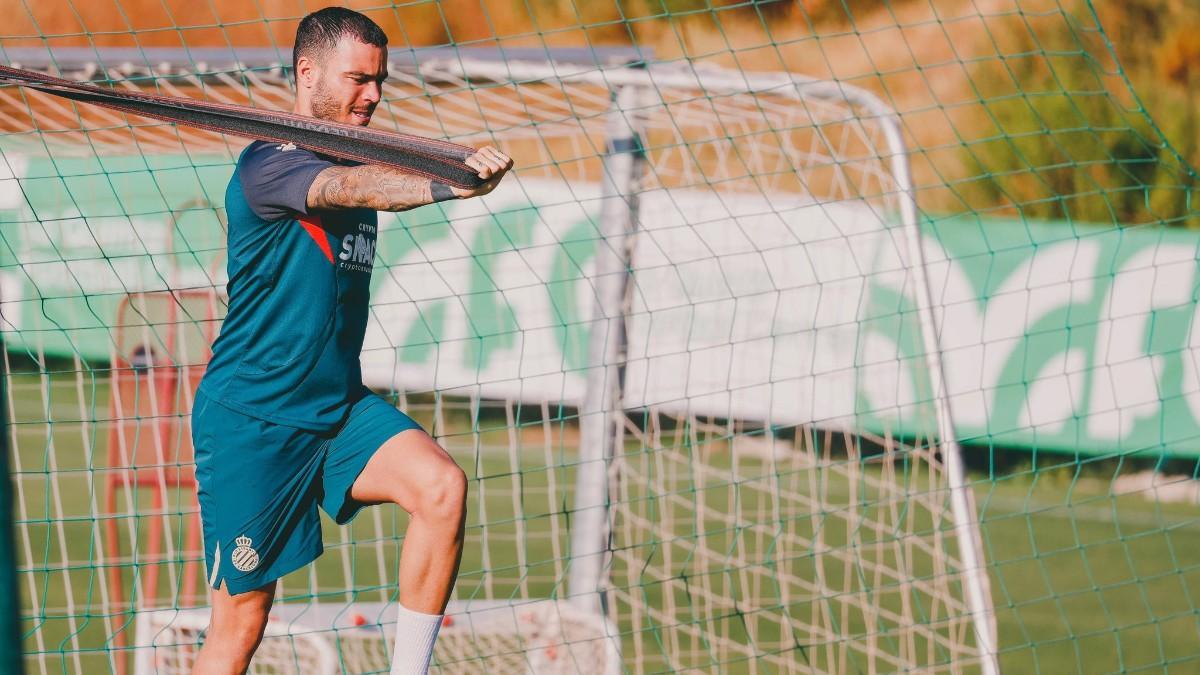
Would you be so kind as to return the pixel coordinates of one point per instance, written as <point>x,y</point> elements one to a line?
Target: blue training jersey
<point>299,286</point>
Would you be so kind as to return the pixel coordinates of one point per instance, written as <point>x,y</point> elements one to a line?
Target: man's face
<point>349,82</point>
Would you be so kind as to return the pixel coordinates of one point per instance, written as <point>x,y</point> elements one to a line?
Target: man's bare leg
<point>235,630</point>
<point>412,471</point>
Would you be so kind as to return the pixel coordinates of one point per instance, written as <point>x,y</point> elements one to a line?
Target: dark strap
<point>439,160</point>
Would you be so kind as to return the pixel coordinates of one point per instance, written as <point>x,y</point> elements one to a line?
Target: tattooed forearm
<point>374,187</point>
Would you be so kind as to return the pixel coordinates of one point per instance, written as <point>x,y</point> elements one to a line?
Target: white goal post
<point>635,94</point>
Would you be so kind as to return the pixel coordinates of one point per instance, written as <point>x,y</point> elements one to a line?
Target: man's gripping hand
<point>492,165</point>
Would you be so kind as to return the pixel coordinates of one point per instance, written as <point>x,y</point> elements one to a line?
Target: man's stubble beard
<point>324,106</point>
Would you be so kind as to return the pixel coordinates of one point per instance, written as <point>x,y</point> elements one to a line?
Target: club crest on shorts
<point>245,559</point>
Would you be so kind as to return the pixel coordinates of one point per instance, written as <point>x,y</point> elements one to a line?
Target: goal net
<point>644,347</point>
<point>706,356</point>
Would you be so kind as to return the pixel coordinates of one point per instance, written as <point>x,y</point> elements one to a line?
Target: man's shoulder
<point>259,151</point>
<point>263,164</point>
<point>274,178</point>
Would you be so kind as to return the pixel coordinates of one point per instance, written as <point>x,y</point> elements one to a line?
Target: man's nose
<point>373,93</point>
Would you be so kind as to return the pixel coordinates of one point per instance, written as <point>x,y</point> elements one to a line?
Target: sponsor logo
<point>358,250</point>
<point>245,559</point>
<point>287,146</point>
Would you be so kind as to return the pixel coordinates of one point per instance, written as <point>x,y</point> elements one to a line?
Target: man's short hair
<point>319,32</point>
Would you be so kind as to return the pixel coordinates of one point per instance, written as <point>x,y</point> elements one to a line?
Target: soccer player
<point>282,423</point>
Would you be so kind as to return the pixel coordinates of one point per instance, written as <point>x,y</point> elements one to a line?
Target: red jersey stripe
<point>312,225</point>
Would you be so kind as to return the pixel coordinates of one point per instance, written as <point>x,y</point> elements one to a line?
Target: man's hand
<point>491,165</point>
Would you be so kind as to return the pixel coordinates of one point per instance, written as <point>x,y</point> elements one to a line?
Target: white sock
<point>415,635</point>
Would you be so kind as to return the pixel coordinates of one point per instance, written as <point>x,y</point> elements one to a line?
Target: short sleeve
<point>276,177</point>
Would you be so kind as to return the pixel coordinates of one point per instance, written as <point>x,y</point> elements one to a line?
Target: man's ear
<point>306,72</point>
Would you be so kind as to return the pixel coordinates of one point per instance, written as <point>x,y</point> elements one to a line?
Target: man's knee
<point>445,497</point>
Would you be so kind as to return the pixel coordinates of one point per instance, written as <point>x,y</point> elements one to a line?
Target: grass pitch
<point>1082,580</point>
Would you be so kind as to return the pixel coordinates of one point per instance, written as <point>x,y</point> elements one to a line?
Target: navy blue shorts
<point>260,484</point>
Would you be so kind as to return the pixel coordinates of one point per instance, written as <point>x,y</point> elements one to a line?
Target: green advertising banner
<point>1066,336</point>
<point>1054,335</point>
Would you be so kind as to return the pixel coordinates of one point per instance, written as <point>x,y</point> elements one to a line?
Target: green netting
<point>694,313</point>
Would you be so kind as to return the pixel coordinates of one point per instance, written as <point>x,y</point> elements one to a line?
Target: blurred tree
<point>1059,138</point>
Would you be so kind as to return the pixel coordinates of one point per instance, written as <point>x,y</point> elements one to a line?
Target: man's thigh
<point>258,489</point>
<point>410,470</point>
<point>372,422</point>
<point>245,611</point>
